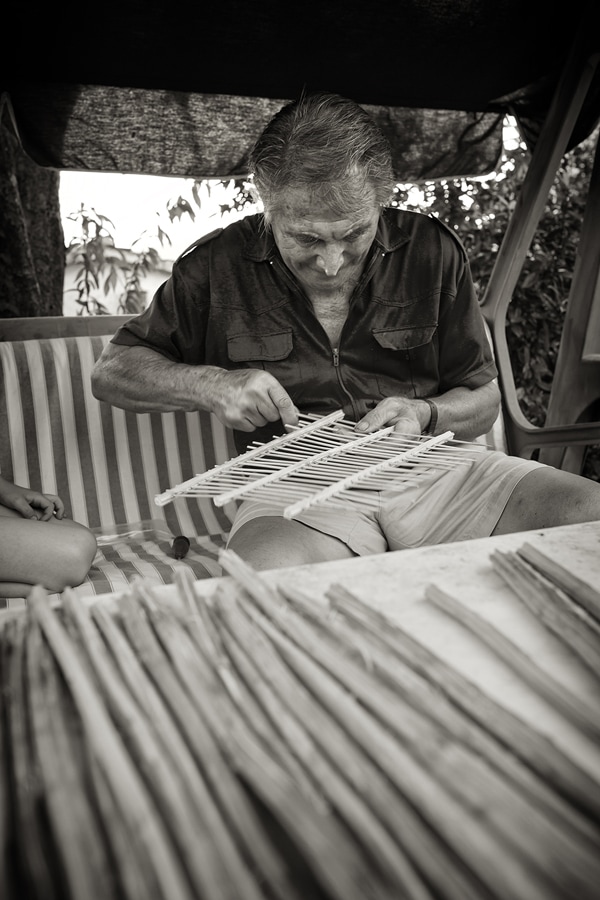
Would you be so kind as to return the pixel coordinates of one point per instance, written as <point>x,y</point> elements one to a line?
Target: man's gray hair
<point>327,144</point>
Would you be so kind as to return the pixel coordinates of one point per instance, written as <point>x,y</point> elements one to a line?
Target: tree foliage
<point>479,211</point>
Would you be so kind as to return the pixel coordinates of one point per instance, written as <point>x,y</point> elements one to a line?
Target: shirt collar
<point>261,246</point>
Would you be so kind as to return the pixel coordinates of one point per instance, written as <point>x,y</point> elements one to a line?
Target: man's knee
<point>272,542</point>
<point>547,497</point>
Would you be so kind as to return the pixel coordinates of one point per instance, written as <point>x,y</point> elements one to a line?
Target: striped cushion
<point>108,465</point>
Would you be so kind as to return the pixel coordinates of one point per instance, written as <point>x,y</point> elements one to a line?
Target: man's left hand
<point>400,412</point>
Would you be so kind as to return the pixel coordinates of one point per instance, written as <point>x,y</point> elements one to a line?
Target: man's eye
<point>307,240</point>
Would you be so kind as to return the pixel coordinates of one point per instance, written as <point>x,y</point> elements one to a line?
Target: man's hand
<point>407,416</point>
<point>246,399</point>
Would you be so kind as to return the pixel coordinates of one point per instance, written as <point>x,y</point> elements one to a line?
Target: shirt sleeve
<point>174,324</point>
<point>465,352</point>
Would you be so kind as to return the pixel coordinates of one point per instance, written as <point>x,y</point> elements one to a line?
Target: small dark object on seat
<point>180,546</point>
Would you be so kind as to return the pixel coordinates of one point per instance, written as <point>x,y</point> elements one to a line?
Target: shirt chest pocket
<point>407,361</point>
<point>405,340</point>
<point>252,347</point>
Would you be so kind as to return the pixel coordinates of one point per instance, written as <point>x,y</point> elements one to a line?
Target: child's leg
<point>56,554</point>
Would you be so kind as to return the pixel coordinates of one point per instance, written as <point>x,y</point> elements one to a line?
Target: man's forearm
<point>140,380</point>
<point>468,413</point>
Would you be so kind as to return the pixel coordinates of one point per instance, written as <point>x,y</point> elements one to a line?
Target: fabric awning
<point>174,89</point>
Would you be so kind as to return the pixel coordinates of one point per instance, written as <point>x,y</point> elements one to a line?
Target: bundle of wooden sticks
<point>323,460</point>
<point>257,744</point>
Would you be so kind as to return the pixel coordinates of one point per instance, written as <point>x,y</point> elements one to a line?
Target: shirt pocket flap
<point>247,347</point>
<point>404,338</point>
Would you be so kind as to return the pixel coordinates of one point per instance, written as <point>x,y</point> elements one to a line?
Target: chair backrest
<point>106,464</point>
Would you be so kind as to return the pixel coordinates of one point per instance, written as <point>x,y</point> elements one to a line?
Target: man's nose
<point>330,259</point>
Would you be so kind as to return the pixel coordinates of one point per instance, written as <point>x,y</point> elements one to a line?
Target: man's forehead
<point>313,216</point>
<point>336,226</point>
<point>307,204</point>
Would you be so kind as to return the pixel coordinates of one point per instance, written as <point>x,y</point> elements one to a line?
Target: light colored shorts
<point>453,505</point>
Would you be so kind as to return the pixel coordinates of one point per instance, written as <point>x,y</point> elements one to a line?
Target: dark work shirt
<point>414,327</point>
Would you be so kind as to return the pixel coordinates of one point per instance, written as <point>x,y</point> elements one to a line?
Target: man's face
<point>326,253</point>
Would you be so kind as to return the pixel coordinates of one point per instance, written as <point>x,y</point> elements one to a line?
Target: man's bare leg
<point>272,542</point>
<point>547,497</point>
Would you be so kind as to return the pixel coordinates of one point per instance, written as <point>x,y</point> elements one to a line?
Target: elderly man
<point>331,300</point>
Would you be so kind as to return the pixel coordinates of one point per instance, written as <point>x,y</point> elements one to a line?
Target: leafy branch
<point>103,267</point>
<point>98,258</point>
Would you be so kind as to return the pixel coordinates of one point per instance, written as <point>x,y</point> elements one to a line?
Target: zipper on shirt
<point>335,352</point>
<point>335,356</point>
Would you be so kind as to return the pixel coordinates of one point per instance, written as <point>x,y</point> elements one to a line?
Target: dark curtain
<point>159,132</point>
<point>32,252</point>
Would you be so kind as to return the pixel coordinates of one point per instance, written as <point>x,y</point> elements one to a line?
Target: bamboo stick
<point>454,786</point>
<point>187,829</point>
<point>374,647</point>
<point>330,858</point>
<point>338,772</point>
<point>317,837</point>
<point>31,867</point>
<point>233,801</point>
<point>128,789</point>
<point>354,759</point>
<point>76,835</point>
<point>572,707</point>
<point>288,802</point>
<point>211,832</point>
<point>581,591</point>
<point>535,750</point>
<point>136,881</point>
<point>432,789</point>
<point>5,879</point>
<point>207,636</point>
<point>568,621</point>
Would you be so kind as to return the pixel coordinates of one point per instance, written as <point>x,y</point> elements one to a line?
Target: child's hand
<point>31,504</point>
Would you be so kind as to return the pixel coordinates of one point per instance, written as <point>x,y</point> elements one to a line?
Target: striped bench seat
<point>108,465</point>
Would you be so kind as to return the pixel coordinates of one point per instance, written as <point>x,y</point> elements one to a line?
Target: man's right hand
<point>246,399</point>
<point>142,380</point>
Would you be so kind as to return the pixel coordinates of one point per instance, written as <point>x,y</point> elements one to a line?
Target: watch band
<point>434,417</point>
